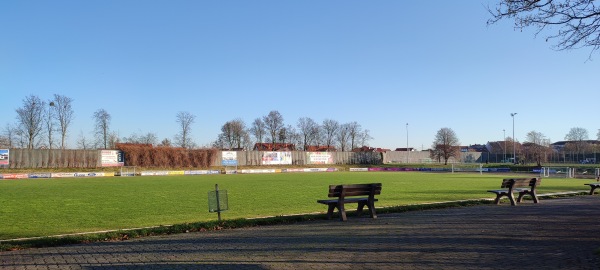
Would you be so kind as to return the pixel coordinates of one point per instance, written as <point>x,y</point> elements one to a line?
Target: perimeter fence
<point>77,158</point>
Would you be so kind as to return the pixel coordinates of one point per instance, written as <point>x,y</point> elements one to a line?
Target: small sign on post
<point>217,201</point>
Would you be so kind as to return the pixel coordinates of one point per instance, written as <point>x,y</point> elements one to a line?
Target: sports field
<point>43,207</point>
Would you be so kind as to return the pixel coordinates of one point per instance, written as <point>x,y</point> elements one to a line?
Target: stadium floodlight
<point>514,141</point>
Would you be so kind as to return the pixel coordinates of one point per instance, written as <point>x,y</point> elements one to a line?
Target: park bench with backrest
<point>524,186</point>
<point>593,187</point>
<point>363,194</point>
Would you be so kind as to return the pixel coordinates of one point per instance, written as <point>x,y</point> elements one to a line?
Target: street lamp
<point>514,141</point>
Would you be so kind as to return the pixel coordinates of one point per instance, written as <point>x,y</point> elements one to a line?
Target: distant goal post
<point>128,171</point>
<point>467,167</point>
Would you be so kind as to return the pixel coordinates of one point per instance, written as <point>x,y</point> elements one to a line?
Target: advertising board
<point>229,158</point>
<point>4,156</point>
<point>111,158</point>
<point>277,158</point>
<point>319,158</point>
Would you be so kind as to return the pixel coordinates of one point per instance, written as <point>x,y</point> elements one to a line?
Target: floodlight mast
<point>407,151</point>
<point>504,139</point>
<point>514,141</point>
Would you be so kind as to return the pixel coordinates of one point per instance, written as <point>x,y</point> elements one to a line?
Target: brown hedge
<point>145,155</point>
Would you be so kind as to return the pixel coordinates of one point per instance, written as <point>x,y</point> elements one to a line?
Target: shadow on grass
<point>121,235</point>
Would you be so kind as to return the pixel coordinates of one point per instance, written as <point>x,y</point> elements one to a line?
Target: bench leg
<point>371,206</point>
<point>330,210</point>
<point>342,211</point>
<point>527,192</point>
<point>498,196</point>
<point>359,210</point>
<point>511,197</point>
<point>535,198</point>
<point>593,187</point>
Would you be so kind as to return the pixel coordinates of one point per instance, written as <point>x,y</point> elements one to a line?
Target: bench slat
<point>351,200</point>
<point>521,182</point>
<point>354,190</point>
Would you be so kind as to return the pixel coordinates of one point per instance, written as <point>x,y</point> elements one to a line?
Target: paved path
<point>555,234</point>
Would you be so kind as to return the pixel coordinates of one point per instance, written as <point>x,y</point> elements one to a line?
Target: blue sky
<point>380,63</point>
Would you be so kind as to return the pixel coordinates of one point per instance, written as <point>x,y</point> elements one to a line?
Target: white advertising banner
<point>111,158</point>
<point>319,158</point>
<point>277,158</point>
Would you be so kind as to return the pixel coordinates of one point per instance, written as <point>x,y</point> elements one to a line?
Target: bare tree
<point>355,131</point>
<point>233,134</point>
<point>64,115</point>
<point>536,147</point>
<point>148,138</point>
<point>83,142</point>
<point>598,135</point>
<point>258,130</point>
<point>9,134</point>
<point>30,118</point>
<point>288,134</point>
<point>308,130</point>
<point>343,136</point>
<point>4,142</point>
<point>165,143</point>
<point>365,137</point>
<point>113,139</point>
<point>578,20</point>
<point>577,138</point>
<point>330,128</point>
<point>185,121</point>
<point>49,115</point>
<point>21,138</point>
<point>102,127</point>
<point>577,134</point>
<point>445,145</point>
<point>273,123</point>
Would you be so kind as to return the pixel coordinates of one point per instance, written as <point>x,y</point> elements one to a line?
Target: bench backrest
<point>355,190</point>
<point>521,182</point>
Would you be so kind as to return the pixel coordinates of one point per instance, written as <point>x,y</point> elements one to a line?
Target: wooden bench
<point>524,186</point>
<point>593,186</point>
<point>343,192</point>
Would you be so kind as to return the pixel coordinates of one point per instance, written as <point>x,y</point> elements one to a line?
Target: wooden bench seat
<point>350,194</point>
<point>524,186</point>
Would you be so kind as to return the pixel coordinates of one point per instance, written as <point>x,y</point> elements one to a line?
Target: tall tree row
<point>271,128</point>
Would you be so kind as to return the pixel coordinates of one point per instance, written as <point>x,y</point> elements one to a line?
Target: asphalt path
<point>554,234</point>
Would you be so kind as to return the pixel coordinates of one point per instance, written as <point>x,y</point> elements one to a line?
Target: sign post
<point>217,201</point>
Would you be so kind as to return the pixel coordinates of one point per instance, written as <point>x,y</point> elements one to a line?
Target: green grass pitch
<point>44,207</point>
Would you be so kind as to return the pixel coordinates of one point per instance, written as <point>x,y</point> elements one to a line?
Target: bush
<point>145,155</point>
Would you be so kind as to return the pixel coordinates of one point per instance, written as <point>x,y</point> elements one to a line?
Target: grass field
<point>43,207</point>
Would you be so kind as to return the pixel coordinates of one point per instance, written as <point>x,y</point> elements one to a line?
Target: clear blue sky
<point>380,63</point>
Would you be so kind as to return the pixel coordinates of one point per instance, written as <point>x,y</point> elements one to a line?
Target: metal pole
<point>407,152</point>
<point>514,141</point>
<point>504,139</point>
<point>218,203</point>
